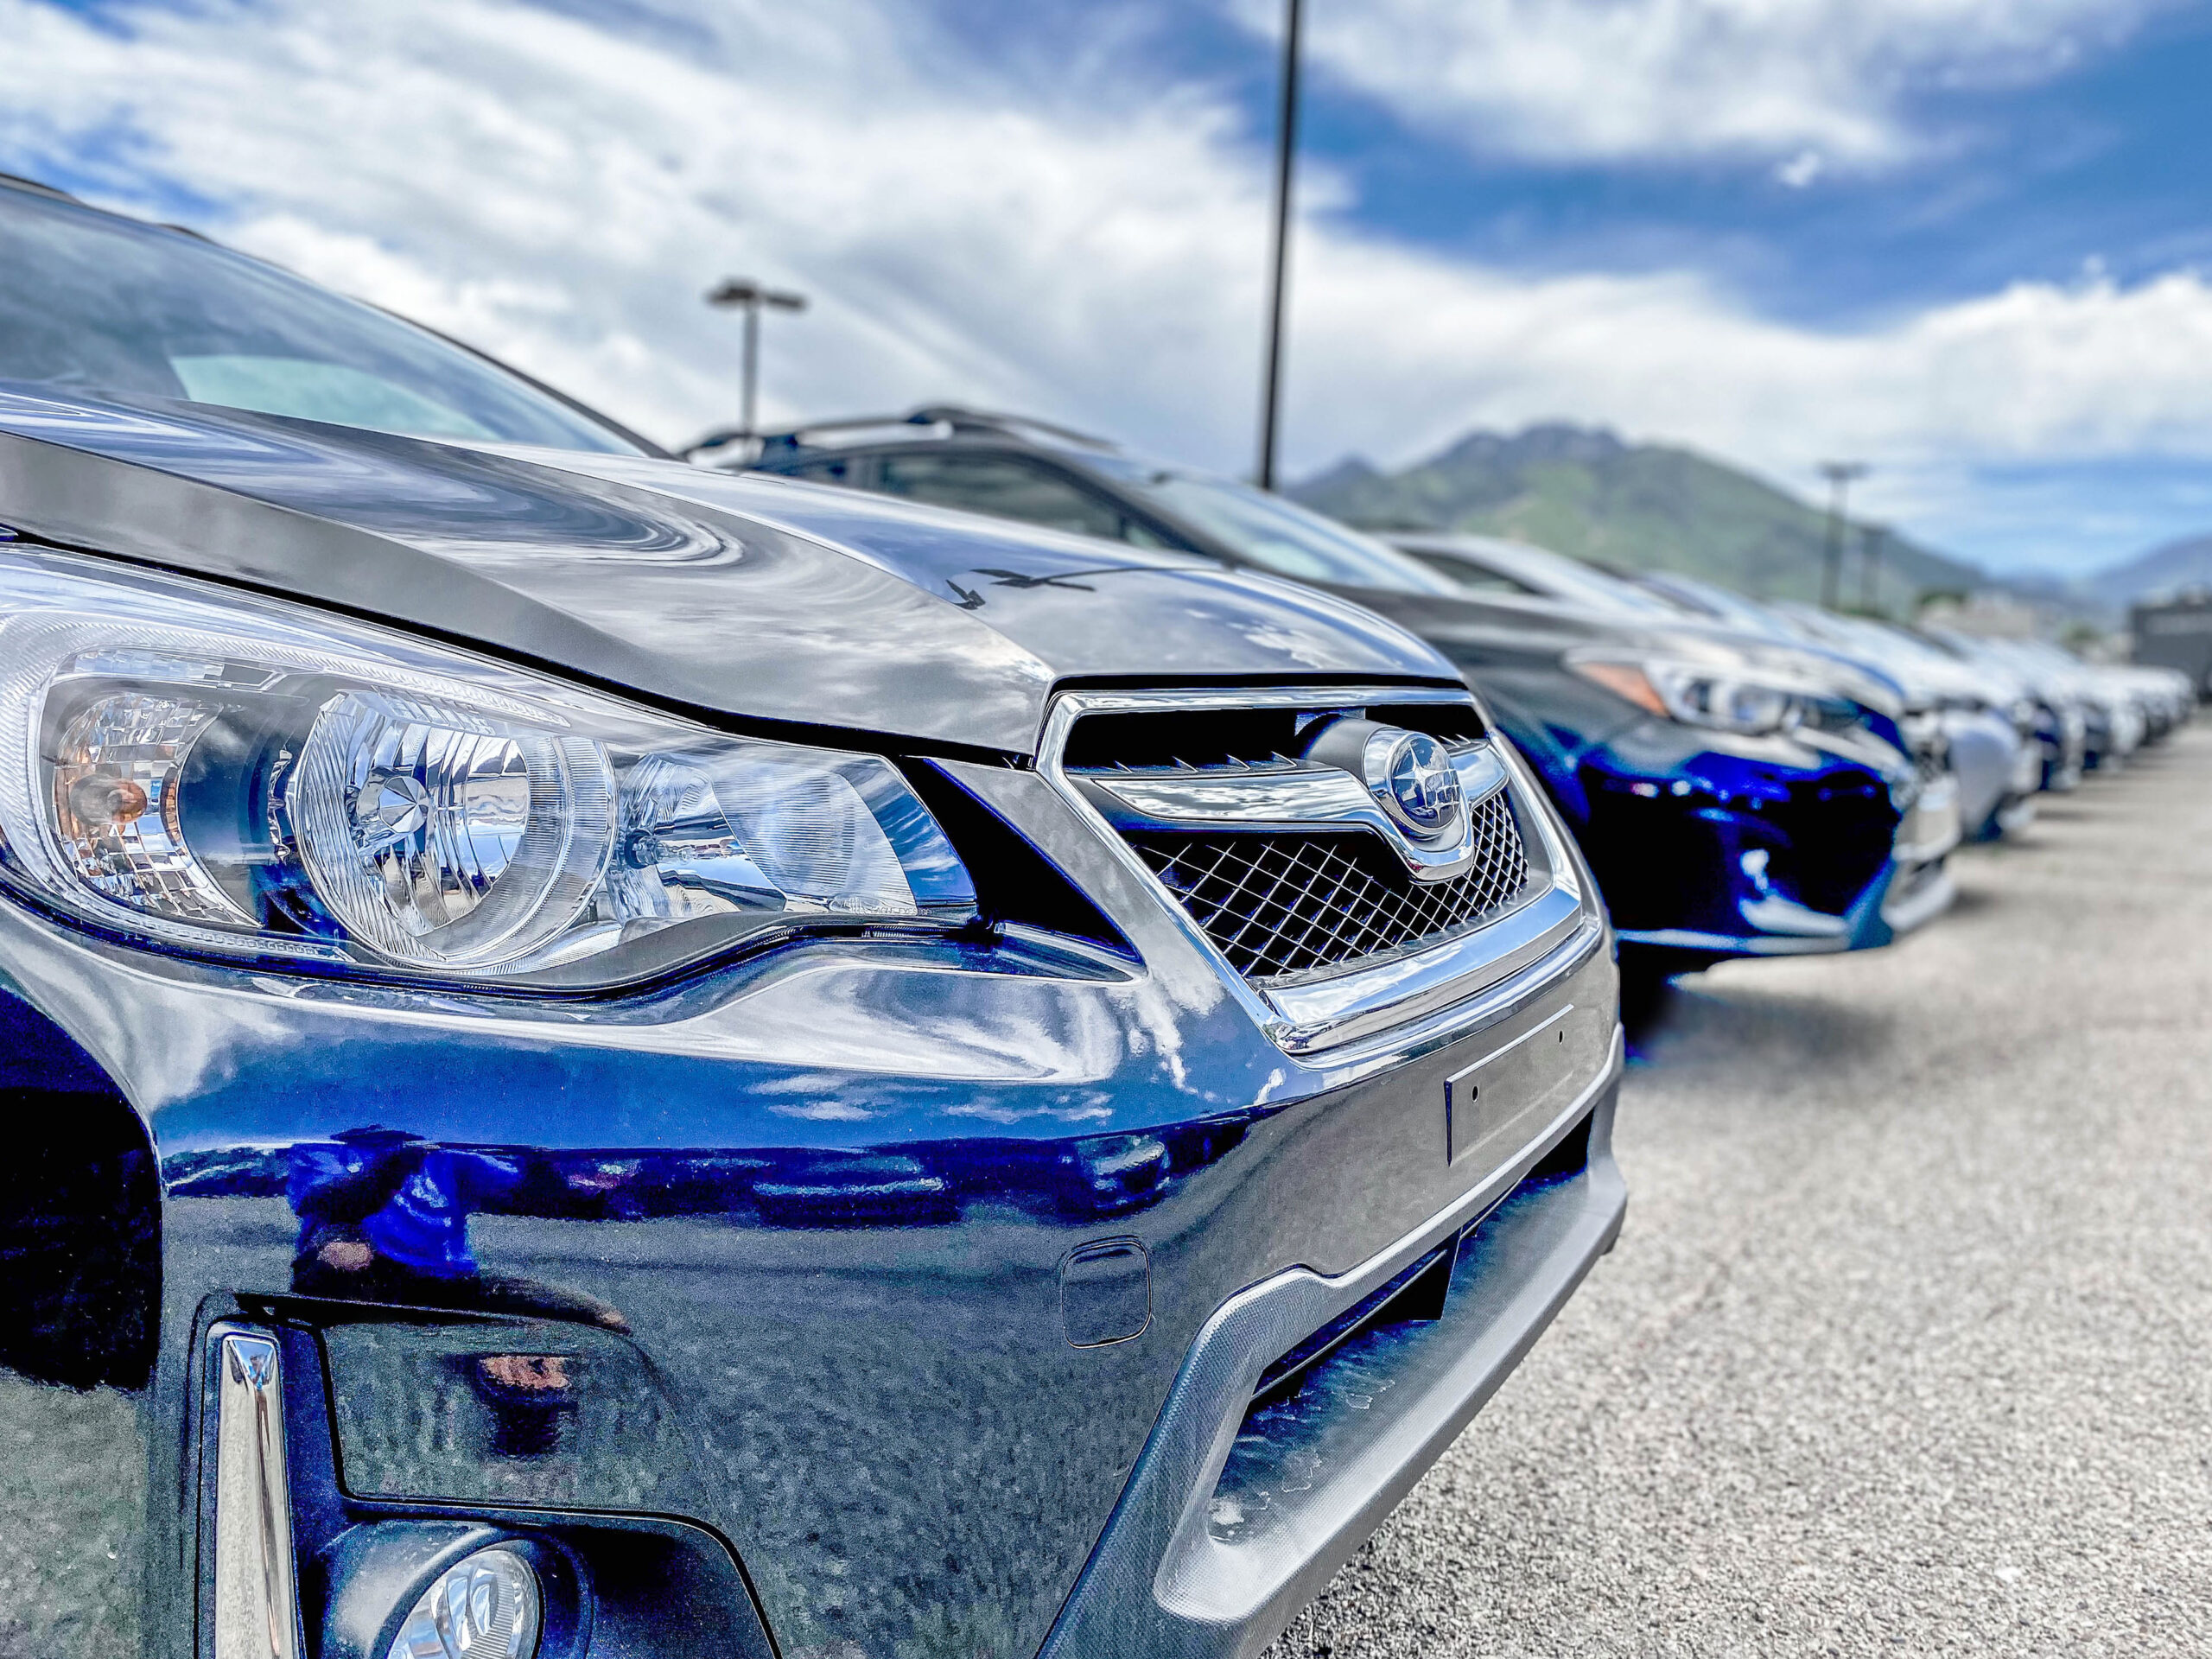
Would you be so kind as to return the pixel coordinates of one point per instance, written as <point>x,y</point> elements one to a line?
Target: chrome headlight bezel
<point>207,772</point>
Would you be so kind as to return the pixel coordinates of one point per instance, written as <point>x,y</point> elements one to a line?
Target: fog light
<point>484,1607</point>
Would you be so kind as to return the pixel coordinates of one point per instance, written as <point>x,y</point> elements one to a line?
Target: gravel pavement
<point>1907,1347</point>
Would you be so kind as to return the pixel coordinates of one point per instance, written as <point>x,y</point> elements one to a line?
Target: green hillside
<point>1644,506</point>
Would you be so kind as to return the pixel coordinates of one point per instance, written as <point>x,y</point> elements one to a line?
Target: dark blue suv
<point>606,1059</point>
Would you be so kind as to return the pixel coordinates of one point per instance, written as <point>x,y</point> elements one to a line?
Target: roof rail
<point>980,420</point>
<point>951,417</point>
<point>791,437</point>
<point>37,187</point>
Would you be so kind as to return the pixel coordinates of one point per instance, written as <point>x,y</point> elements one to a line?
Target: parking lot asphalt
<point>1907,1346</point>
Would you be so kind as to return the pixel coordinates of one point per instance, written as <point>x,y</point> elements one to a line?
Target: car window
<point>1282,536</point>
<point>1480,578</point>
<point>94,303</point>
<point>1003,486</point>
<point>1528,570</point>
<point>837,469</point>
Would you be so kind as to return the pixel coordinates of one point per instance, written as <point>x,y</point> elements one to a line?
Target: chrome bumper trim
<point>1332,1013</point>
<point>1928,896</point>
<point>1931,829</point>
<point>256,1610</point>
<point>1682,938</point>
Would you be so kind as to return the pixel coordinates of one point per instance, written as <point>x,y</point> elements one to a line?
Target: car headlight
<point>1698,695</point>
<point>236,775</point>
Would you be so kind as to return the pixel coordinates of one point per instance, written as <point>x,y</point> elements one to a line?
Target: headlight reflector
<point>439,839</point>
<point>248,777</point>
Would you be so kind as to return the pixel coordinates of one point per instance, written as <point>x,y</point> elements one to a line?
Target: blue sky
<point>1961,239</point>
<point>2033,177</point>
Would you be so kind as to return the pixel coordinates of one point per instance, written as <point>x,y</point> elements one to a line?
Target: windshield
<point>1707,600</point>
<point>92,303</point>
<point>1278,535</point>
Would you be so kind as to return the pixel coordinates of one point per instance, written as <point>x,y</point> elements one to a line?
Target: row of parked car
<point>602,1055</point>
<point>1746,778</point>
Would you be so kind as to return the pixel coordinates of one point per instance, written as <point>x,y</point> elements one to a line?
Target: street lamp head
<point>747,292</point>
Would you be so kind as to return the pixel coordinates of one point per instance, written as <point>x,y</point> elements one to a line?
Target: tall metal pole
<point>1285,158</point>
<point>751,397</point>
<point>1838,474</point>
<point>742,293</point>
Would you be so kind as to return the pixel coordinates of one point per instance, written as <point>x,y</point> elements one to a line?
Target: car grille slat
<point>1310,902</point>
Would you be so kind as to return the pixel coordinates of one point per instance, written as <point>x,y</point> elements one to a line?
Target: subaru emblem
<point>1415,781</point>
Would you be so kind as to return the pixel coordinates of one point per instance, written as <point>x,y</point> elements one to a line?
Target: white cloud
<point>1800,169</point>
<point>1644,80</point>
<point>562,194</point>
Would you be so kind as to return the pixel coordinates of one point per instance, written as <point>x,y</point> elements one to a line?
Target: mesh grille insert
<point>1277,904</point>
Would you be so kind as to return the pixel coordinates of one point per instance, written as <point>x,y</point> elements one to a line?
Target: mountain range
<point>2184,563</point>
<point>1649,506</point>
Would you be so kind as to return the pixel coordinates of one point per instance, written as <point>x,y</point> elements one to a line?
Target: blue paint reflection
<point>384,1215</point>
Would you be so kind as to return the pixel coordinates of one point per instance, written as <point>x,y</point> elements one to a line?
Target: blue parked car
<point>1735,796</point>
<point>604,1058</point>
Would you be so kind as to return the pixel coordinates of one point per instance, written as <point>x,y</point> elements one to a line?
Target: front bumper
<point>1776,849</point>
<point>1239,1514</point>
<point>812,1240</point>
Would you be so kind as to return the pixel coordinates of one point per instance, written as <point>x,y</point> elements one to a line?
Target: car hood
<point>780,604</point>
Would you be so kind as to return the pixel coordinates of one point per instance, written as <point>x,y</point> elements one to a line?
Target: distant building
<point>2175,631</point>
<point>1988,613</point>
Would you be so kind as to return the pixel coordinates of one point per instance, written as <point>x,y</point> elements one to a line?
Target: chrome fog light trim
<point>255,1607</point>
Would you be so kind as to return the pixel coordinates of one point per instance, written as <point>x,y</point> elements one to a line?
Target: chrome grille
<point>1282,905</point>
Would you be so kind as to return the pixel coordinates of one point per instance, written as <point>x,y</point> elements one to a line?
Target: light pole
<point>1870,566</point>
<point>1838,474</point>
<point>1285,158</point>
<point>751,295</point>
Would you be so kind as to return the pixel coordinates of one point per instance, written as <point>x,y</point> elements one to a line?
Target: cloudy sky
<point>1963,239</point>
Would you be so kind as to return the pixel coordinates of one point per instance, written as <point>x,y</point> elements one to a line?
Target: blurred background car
<point>1976,725</point>
<point>1737,795</point>
<point>2087,714</point>
<point>2061,728</point>
<point>1988,726</point>
<point>1921,728</point>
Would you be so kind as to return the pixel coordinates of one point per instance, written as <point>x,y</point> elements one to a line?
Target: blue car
<point>1735,796</point>
<point>608,1059</point>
